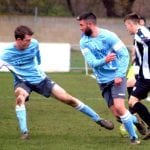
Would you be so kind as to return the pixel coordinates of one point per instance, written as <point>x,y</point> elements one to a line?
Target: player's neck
<point>137,28</point>
<point>16,46</point>
<point>96,32</point>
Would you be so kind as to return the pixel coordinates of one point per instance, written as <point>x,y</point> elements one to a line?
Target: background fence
<point>77,60</point>
<point>60,30</point>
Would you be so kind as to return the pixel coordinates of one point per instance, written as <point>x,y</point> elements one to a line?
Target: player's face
<point>85,27</point>
<point>142,22</point>
<point>130,26</point>
<point>23,44</point>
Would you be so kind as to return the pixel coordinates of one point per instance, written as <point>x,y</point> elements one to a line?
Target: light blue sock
<point>134,118</point>
<point>21,116</point>
<point>128,124</point>
<point>88,111</point>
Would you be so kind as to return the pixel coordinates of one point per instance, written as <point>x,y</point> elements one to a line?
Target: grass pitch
<point>55,126</point>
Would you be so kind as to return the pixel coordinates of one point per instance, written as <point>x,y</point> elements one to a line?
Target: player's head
<point>142,21</point>
<point>131,22</point>
<point>87,21</point>
<point>23,35</point>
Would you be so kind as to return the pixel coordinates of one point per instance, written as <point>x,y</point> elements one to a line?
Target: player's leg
<point>118,93</point>
<point>131,79</point>
<point>61,95</point>
<point>125,117</point>
<point>140,92</point>
<point>21,95</point>
<point>144,114</point>
<point>137,122</point>
<point>130,84</point>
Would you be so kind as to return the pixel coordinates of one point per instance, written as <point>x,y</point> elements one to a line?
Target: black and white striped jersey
<point>142,46</point>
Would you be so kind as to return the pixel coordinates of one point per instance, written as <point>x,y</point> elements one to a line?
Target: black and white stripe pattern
<point>142,45</point>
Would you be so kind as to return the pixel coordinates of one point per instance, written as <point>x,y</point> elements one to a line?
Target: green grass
<point>55,126</point>
<point>77,60</point>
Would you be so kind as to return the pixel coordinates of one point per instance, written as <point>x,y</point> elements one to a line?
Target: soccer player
<point>108,57</point>
<point>142,50</point>
<point>142,21</point>
<point>134,68</point>
<point>22,58</point>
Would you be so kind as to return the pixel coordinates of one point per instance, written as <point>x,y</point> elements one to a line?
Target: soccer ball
<point>123,131</point>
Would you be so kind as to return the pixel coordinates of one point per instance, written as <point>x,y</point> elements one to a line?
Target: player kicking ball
<point>22,58</point>
<point>107,55</point>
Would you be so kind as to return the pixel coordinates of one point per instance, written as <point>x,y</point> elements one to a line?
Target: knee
<point>120,109</point>
<point>20,99</point>
<point>20,96</point>
<point>132,101</point>
<point>69,100</point>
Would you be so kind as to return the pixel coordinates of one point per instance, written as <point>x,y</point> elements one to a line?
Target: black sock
<point>129,89</point>
<point>131,110</point>
<point>142,112</point>
<point>118,119</point>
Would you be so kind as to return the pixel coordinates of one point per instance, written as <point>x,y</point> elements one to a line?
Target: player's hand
<point>117,81</point>
<point>110,57</point>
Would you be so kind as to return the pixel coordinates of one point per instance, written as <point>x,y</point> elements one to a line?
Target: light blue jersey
<point>24,64</point>
<point>95,49</point>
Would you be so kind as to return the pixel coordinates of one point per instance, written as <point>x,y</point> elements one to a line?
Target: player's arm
<point>38,56</point>
<point>92,60</point>
<point>133,55</point>
<point>122,62</point>
<point>122,56</point>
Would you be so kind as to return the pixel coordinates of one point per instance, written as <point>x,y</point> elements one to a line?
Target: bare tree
<point>69,4</point>
<point>9,5</point>
<point>109,5</point>
<point>118,8</point>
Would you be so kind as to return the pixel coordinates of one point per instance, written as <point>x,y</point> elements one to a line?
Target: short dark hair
<point>87,16</point>
<point>143,18</point>
<point>21,31</point>
<point>132,16</point>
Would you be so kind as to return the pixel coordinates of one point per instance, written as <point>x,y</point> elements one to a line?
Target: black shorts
<point>44,87</point>
<point>141,88</point>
